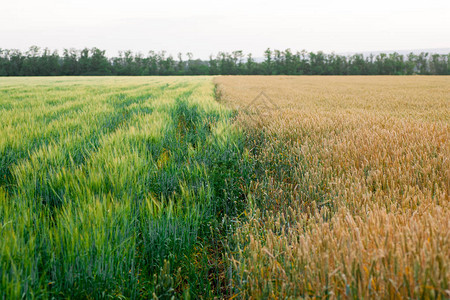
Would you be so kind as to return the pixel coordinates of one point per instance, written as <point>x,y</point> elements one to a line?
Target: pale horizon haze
<point>207,27</point>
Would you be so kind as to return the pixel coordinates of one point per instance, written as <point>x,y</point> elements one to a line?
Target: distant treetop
<point>45,62</point>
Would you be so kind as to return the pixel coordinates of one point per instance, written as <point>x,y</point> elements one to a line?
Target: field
<point>111,186</point>
<point>194,187</point>
<point>352,192</point>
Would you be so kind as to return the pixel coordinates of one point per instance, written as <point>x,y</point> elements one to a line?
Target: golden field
<point>351,196</point>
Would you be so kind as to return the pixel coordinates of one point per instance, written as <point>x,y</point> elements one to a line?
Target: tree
<point>99,64</point>
<point>44,62</point>
<point>70,62</point>
<point>268,61</point>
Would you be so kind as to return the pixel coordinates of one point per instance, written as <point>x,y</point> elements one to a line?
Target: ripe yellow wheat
<point>352,195</point>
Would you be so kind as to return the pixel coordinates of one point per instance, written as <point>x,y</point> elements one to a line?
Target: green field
<point>187,187</point>
<point>115,186</point>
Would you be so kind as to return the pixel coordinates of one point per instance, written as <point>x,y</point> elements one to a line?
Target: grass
<point>111,187</point>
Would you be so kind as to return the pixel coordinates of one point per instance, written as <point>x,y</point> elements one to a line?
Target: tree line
<point>93,61</point>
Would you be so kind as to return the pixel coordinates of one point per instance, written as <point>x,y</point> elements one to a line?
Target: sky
<point>205,27</point>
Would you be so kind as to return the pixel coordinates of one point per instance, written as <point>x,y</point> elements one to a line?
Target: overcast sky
<point>205,27</point>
